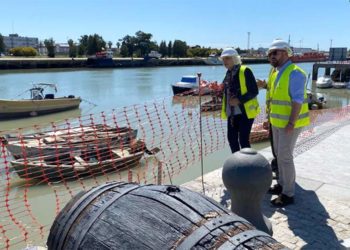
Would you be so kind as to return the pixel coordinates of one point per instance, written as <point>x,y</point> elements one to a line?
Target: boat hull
<point>339,85</point>
<point>179,90</point>
<point>213,62</point>
<point>45,172</point>
<point>324,86</point>
<point>212,105</point>
<point>25,149</point>
<point>28,108</point>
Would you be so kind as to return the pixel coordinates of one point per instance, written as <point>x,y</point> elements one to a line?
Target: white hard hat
<point>229,52</point>
<point>279,44</point>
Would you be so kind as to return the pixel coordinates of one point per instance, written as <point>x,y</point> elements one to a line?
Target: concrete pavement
<point>320,217</point>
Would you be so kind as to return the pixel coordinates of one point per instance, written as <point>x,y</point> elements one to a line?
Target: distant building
<point>42,49</point>
<point>14,40</point>
<point>262,51</point>
<point>300,51</point>
<point>62,48</point>
<point>338,54</point>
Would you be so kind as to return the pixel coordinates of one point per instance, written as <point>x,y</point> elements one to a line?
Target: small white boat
<point>340,85</point>
<point>348,86</point>
<point>154,54</point>
<point>38,103</point>
<point>324,82</point>
<point>186,84</point>
<point>213,59</point>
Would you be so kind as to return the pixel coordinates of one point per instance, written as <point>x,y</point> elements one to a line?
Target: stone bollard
<point>247,176</point>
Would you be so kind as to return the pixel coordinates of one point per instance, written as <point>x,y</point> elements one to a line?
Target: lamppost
<point>248,45</point>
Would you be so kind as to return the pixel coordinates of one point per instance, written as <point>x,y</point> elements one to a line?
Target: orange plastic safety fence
<point>42,167</point>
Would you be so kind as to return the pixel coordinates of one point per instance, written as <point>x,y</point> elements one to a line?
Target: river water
<point>105,89</point>
<point>111,88</point>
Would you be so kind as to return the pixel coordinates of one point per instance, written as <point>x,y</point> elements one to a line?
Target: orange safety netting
<point>42,167</point>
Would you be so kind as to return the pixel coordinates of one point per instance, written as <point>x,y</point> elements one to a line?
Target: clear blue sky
<point>216,23</point>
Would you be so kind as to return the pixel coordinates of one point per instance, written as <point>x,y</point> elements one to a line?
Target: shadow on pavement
<point>307,219</point>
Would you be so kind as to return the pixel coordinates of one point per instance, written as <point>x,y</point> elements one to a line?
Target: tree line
<point>137,45</point>
<point>2,44</point>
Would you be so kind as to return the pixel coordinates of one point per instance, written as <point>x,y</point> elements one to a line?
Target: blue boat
<point>186,84</point>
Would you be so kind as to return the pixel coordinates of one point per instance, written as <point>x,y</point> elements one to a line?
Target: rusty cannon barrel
<point>131,216</point>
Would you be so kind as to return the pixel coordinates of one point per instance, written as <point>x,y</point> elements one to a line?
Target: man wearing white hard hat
<point>240,105</point>
<point>288,114</point>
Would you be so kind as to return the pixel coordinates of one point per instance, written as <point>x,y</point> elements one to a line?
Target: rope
<point>87,101</point>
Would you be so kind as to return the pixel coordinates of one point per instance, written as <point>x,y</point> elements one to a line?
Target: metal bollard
<point>247,176</point>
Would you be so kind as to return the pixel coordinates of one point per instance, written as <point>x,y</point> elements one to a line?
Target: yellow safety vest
<point>251,107</point>
<point>272,77</point>
<point>281,102</point>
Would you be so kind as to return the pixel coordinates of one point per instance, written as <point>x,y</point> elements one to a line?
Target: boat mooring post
<point>247,175</point>
<point>315,71</point>
<point>199,75</point>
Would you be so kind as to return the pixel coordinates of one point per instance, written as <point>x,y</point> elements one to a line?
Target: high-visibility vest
<point>272,77</point>
<point>251,107</point>
<point>281,102</point>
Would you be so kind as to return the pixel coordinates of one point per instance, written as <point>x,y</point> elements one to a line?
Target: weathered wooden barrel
<point>131,216</point>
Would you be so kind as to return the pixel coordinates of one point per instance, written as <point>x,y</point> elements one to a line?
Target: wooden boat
<point>38,104</point>
<point>79,163</point>
<point>62,141</point>
<point>212,105</point>
<point>258,135</point>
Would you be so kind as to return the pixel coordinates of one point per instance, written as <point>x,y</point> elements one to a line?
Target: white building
<point>42,49</point>
<point>14,40</point>
<point>262,51</point>
<point>62,48</point>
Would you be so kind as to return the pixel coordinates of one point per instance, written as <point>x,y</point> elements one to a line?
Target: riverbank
<point>45,63</point>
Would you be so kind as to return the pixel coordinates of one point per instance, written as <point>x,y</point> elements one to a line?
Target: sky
<point>215,23</point>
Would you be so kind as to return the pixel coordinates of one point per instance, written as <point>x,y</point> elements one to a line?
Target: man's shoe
<point>276,189</point>
<point>282,200</point>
